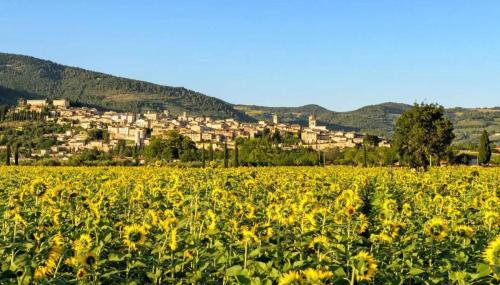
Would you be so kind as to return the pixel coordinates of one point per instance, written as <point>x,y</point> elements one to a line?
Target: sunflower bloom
<point>319,240</point>
<point>464,231</point>
<point>365,266</point>
<point>88,260</point>
<point>436,228</point>
<point>315,276</point>
<point>289,278</point>
<point>134,235</point>
<point>492,253</point>
<point>50,263</point>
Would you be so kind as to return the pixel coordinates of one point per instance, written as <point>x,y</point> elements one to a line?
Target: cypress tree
<point>484,152</point>
<point>203,156</point>
<point>211,152</point>
<point>236,159</point>
<point>364,155</point>
<point>226,156</point>
<point>16,155</point>
<point>7,161</point>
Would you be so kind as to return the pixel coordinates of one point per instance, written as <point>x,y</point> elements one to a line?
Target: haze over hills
<point>29,77</point>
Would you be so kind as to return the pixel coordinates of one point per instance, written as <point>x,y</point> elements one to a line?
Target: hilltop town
<point>137,129</point>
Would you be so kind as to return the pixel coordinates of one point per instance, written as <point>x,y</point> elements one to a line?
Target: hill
<point>380,119</point>
<point>25,76</point>
<point>377,119</point>
<point>29,77</point>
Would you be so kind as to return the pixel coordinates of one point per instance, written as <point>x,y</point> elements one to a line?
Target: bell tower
<point>312,121</point>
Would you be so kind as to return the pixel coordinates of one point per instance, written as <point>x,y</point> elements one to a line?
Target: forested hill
<point>377,119</point>
<point>29,77</point>
<point>25,76</point>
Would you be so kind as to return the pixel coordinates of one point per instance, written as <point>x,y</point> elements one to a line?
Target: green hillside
<point>380,119</point>
<point>29,77</point>
<point>376,119</point>
<point>469,124</point>
<point>41,78</point>
<point>10,96</point>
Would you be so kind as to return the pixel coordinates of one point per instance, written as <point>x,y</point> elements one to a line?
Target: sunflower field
<point>282,225</point>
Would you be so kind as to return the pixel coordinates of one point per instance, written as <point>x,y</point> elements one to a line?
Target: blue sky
<point>338,54</point>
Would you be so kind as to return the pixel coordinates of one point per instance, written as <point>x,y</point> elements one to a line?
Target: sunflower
<point>491,203</point>
<point>38,188</point>
<point>81,273</point>
<point>407,211</point>
<point>83,243</point>
<point>248,235</point>
<point>362,224</point>
<point>393,227</point>
<point>436,228</point>
<point>348,201</point>
<point>338,218</point>
<point>381,238</point>
<point>71,261</point>
<point>491,218</point>
<point>54,253</point>
<point>492,253</point>
<point>438,200</point>
<point>134,235</point>
<point>88,259</point>
<point>315,276</point>
<point>269,233</point>
<point>365,266</point>
<point>213,220</point>
<point>389,206</point>
<point>289,278</point>
<point>153,217</point>
<point>319,241</point>
<point>173,239</point>
<point>464,231</point>
<point>349,210</point>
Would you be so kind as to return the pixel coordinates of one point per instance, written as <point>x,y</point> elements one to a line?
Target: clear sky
<point>338,54</point>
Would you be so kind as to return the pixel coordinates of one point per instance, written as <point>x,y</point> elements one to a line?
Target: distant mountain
<point>376,119</point>
<point>27,76</point>
<point>470,122</point>
<point>380,119</point>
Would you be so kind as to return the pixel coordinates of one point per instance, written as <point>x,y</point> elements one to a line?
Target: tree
<point>7,159</point>
<point>371,140</point>
<point>203,156</point>
<point>236,159</point>
<point>422,133</point>
<point>226,155</point>
<point>211,152</point>
<point>16,154</point>
<point>365,158</point>
<point>484,152</point>
<point>276,137</point>
<point>171,147</point>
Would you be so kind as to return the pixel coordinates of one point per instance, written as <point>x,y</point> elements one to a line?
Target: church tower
<point>312,121</point>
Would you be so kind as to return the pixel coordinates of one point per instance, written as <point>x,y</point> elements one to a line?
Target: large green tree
<point>484,152</point>
<point>422,134</point>
<point>172,146</point>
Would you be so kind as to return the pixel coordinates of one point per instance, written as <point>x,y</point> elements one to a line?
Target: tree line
<point>7,114</point>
